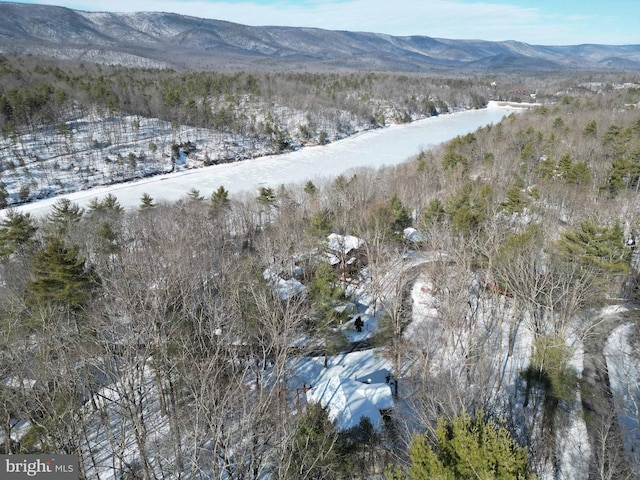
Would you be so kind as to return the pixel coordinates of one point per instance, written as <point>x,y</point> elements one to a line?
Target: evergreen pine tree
<point>219,200</point>
<point>109,206</point>
<point>107,239</point>
<point>63,215</point>
<point>591,130</point>
<point>402,217</point>
<point>194,195</point>
<point>110,203</point>
<point>467,448</point>
<point>596,246</point>
<point>314,455</point>
<point>95,205</point>
<point>514,202</point>
<point>266,195</point>
<point>580,174</point>
<point>452,159</point>
<point>146,202</point>
<point>16,231</point>
<point>468,206</point>
<point>310,188</point>
<point>634,171</point>
<point>60,277</point>
<point>4,195</point>
<point>528,152</point>
<point>320,224</point>
<point>434,213</point>
<point>612,134</point>
<point>175,152</point>
<point>547,168</point>
<point>325,294</point>
<point>617,177</point>
<point>558,123</point>
<point>565,166</point>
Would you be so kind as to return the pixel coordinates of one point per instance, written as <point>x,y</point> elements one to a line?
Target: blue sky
<point>543,22</point>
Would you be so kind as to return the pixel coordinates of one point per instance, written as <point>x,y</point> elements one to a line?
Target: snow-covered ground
<point>485,350</point>
<point>623,364</point>
<point>110,441</point>
<point>375,148</point>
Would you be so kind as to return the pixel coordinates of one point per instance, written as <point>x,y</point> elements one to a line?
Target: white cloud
<point>435,18</point>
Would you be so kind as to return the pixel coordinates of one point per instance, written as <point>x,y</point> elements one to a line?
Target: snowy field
<point>376,148</point>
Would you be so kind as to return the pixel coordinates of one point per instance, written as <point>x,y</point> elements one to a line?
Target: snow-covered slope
<point>180,40</point>
<point>375,149</point>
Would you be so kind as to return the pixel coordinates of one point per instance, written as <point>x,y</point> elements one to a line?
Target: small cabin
<point>345,253</point>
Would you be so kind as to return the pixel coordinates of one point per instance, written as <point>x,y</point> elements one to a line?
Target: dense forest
<point>39,92</point>
<point>153,344</point>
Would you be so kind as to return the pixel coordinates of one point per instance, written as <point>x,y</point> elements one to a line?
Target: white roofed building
<point>348,400</point>
<point>344,252</point>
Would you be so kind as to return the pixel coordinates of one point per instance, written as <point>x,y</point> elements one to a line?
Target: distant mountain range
<point>178,41</point>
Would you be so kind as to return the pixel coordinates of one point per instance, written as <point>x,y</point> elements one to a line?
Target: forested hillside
<point>168,40</point>
<point>157,343</point>
<point>66,125</point>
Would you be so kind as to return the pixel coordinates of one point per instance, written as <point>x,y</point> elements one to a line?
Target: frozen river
<point>376,148</point>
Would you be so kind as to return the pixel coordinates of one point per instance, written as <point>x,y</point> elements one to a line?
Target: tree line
<point>39,91</point>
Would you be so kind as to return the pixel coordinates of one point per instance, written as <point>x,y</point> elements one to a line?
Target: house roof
<point>289,288</point>
<point>381,375</point>
<point>349,400</point>
<point>344,243</point>
<point>412,235</point>
<point>285,288</point>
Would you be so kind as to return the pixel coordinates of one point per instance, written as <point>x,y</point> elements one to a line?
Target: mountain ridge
<point>185,42</point>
